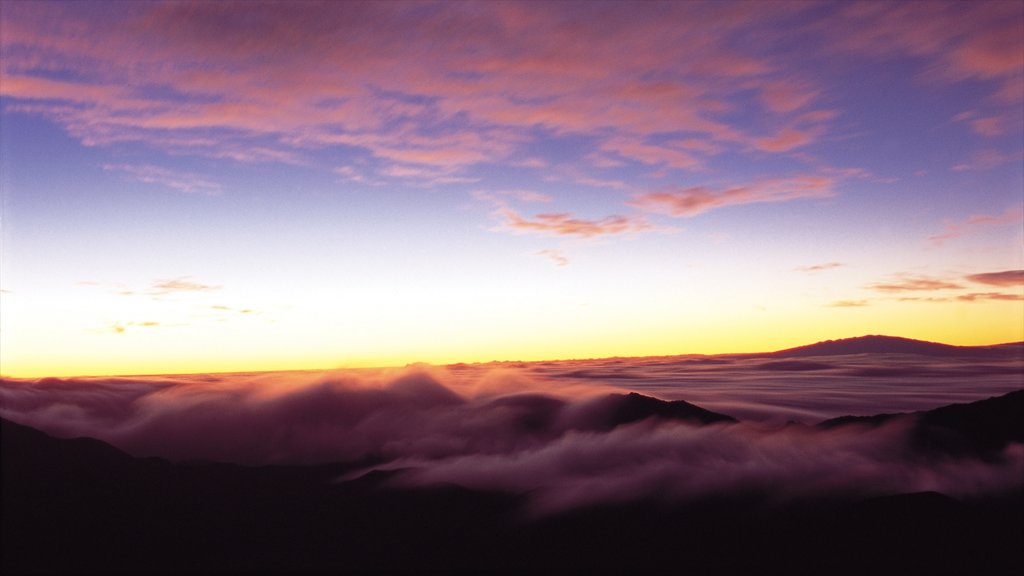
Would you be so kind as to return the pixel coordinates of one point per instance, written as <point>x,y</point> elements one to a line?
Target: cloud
<point>981,43</point>
<point>562,224</point>
<point>990,125</point>
<point>181,181</point>
<point>121,328</point>
<point>1004,278</point>
<point>562,451</point>
<point>636,149</point>
<point>685,202</point>
<point>175,285</point>
<point>977,222</point>
<point>222,308</point>
<point>434,95</point>
<point>498,197</point>
<point>974,296</point>
<point>848,304</point>
<point>786,95</point>
<point>969,297</point>
<point>157,288</point>
<point>982,160</point>
<point>555,256</point>
<point>820,267</point>
<point>914,284</point>
<point>443,89</point>
<point>787,139</point>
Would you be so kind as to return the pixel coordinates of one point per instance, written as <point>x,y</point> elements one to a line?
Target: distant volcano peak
<point>876,344</point>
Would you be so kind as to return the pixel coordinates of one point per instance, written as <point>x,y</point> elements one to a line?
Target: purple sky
<point>196,186</point>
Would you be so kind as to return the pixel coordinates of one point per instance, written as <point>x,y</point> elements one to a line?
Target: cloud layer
<point>490,429</point>
<point>420,92</point>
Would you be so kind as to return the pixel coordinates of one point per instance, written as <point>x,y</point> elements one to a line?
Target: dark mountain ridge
<point>981,429</point>
<point>613,410</point>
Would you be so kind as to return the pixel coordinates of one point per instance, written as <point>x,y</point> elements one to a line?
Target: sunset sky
<point>192,187</point>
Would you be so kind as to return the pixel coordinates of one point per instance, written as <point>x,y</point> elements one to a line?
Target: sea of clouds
<point>499,428</point>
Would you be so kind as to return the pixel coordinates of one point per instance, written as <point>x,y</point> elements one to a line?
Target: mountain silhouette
<point>613,410</point>
<point>983,428</point>
<point>895,345</point>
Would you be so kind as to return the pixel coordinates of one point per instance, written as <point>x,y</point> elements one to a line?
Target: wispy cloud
<point>848,304</point>
<point>904,283</point>
<point>685,202</point>
<point>222,308</point>
<point>982,160</point>
<point>977,222</point>
<point>500,197</point>
<point>468,87</point>
<point>983,44</point>
<point>562,224</point>
<point>177,180</point>
<point>122,327</point>
<point>555,256</point>
<point>820,267</point>
<point>969,297</point>
<point>787,94</point>
<point>157,288</point>
<point>1004,278</point>
<point>787,139</point>
<point>183,284</point>
<point>973,296</point>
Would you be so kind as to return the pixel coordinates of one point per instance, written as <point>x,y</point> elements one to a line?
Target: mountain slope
<point>981,429</point>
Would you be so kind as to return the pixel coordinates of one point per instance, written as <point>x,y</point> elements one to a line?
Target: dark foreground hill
<point>895,345</point>
<point>981,429</point>
<point>82,506</point>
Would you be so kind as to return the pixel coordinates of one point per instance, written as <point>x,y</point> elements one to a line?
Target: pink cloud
<point>982,42</point>
<point>998,52</point>
<point>182,181</point>
<point>1005,278</point>
<point>982,160</point>
<point>786,95</point>
<point>555,256</point>
<point>977,222</point>
<point>914,284</point>
<point>634,149</point>
<point>820,267</point>
<point>990,126</point>
<point>787,139</point>
<point>974,296</point>
<point>685,202</point>
<point>269,84</point>
<point>567,225</point>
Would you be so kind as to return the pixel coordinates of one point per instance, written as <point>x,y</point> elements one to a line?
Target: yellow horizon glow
<point>1002,323</point>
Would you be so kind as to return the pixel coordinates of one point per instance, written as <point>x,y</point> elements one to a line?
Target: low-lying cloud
<point>564,445</point>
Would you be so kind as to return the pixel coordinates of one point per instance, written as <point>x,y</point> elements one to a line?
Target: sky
<point>200,186</point>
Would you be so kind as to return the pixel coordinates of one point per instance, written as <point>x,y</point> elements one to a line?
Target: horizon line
<point>495,361</point>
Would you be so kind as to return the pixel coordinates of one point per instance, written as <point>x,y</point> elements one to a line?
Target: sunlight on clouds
<point>262,185</point>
